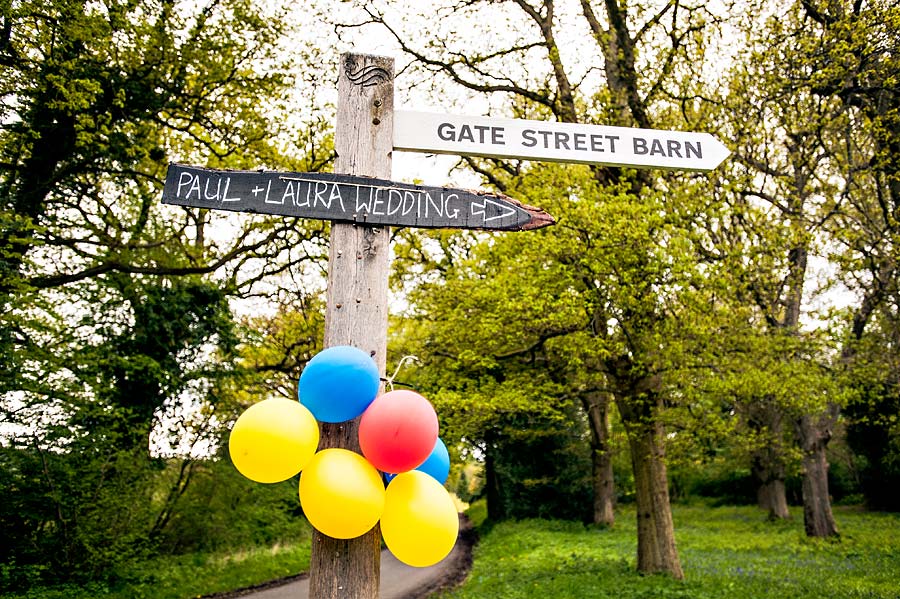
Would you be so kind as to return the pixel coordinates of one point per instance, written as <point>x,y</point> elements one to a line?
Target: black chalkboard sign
<point>346,198</point>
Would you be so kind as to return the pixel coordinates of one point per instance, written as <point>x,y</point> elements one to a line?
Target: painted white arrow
<point>504,210</point>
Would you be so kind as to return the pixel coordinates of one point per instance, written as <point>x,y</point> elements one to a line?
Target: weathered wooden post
<point>357,310</point>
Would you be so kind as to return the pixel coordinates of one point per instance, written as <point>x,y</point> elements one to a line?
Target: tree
<point>645,57</point>
<point>96,98</point>
<point>853,49</point>
<point>864,144</point>
<point>815,180</point>
<point>778,216</point>
<point>506,387</point>
<point>539,345</point>
<point>114,308</point>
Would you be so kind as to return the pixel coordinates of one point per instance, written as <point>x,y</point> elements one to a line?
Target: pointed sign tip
<point>539,220</point>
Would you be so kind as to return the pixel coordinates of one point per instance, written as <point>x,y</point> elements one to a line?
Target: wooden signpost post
<point>363,203</point>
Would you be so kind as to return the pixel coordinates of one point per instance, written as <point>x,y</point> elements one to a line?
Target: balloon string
<point>403,360</point>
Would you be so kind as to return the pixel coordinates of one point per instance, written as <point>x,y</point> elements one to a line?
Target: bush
<point>538,471</point>
<point>71,516</point>
<point>223,510</point>
<point>873,432</point>
<point>90,516</point>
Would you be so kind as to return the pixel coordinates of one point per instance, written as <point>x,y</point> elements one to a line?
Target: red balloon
<point>398,430</point>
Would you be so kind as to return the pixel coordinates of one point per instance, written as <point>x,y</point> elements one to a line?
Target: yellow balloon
<point>273,440</point>
<point>342,494</point>
<point>419,524</point>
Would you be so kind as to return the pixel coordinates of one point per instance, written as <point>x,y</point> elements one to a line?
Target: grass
<point>725,552</point>
<point>191,575</point>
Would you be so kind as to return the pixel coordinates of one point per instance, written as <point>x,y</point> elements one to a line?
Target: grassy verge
<point>192,575</point>
<point>726,552</point>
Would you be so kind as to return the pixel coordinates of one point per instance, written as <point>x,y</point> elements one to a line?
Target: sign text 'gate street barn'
<point>557,142</point>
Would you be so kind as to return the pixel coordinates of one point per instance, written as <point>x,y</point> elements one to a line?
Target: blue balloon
<point>437,465</point>
<point>339,383</point>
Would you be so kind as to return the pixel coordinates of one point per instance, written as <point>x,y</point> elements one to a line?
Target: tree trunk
<point>765,419</point>
<point>771,496</point>
<point>656,531</point>
<point>814,435</point>
<point>646,438</point>
<point>496,508</point>
<point>597,408</point>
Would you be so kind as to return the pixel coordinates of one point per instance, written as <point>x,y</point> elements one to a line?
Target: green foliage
<point>517,330</point>
<point>726,553</point>
<point>117,341</point>
<point>726,485</point>
<point>873,414</point>
<point>177,323</point>
<point>477,513</point>
<point>66,518</point>
<point>86,474</point>
<point>223,511</point>
<point>72,515</point>
<point>275,348</point>
<point>538,470</point>
<point>189,575</point>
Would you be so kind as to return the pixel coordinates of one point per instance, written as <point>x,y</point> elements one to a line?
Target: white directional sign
<point>557,142</point>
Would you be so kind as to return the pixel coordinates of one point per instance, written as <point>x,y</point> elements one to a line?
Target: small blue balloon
<point>339,383</point>
<point>437,465</point>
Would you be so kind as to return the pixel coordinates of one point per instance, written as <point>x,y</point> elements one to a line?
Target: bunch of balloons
<point>343,493</point>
